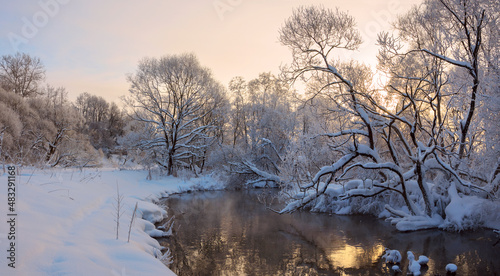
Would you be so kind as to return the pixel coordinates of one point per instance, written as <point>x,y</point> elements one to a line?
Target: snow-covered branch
<point>248,168</point>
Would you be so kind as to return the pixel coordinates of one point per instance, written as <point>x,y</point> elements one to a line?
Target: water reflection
<point>230,233</point>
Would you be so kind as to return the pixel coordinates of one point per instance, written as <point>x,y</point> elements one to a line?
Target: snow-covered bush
<point>42,130</point>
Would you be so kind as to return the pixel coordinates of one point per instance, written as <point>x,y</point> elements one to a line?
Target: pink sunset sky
<point>90,46</point>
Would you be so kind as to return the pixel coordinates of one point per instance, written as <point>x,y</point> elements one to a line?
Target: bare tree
<point>21,74</point>
<point>62,119</point>
<point>459,64</point>
<point>270,114</point>
<point>401,142</point>
<point>175,95</point>
<point>459,43</point>
<point>103,122</point>
<point>312,34</point>
<point>262,125</point>
<point>93,108</point>
<point>10,126</point>
<point>237,88</point>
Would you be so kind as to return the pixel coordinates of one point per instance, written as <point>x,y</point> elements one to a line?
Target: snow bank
<point>66,222</point>
<point>414,223</point>
<point>462,212</point>
<point>466,212</point>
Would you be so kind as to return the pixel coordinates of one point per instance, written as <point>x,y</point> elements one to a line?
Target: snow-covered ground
<point>65,223</point>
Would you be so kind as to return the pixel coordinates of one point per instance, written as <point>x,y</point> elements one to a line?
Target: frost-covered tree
<point>58,118</point>
<point>21,74</point>
<point>458,63</point>
<point>309,149</point>
<point>60,143</point>
<point>312,34</point>
<point>174,96</point>
<point>93,108</point>
<point>103,122</point>
<point>270,111</point>
<point>38,125</point>
<point>393,151</point>
<point>24,146</point>
<point>40,130</point>
<point>262,125</point>
<point>463,45</point>
<point>10,126</point>
<point>239,130</point>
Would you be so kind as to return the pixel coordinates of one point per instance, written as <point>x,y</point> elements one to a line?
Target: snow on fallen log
<point>414,223</point>
<point>247,167</point>
<point>405,222</point>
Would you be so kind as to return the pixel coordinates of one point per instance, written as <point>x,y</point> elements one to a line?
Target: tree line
<point>40,126</point>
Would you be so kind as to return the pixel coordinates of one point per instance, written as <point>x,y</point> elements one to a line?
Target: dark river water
<point>232,233</point>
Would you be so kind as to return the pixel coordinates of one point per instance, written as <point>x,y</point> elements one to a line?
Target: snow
<point>396,268</point>
<point>346,132</point>
<point>452,268</point>
<point>392,256</point>
<point>367,151</point>
<point>464,212</point>
<point>414,223</point>
<point>346,210</point>
<point>354,184</point>
<point>413,266</point>
<point>332,69</point>
<point>333,168</point>
<point>262,173</point>
<point>66,222</point>
<point>423,260</point>
<point>449,60</point>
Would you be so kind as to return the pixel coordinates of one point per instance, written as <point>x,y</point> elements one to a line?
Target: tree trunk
<point>170,164</point>
<point>423,189</point>
<point>464,128</point>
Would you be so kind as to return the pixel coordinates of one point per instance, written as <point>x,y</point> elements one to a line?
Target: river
<point>232,233</point>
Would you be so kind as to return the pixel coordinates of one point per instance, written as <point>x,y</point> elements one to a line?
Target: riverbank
<point>65,221</point>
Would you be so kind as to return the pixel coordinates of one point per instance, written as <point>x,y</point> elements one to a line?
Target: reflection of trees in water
<point>326,248</point>
<point>246,237</point>
<point>232,235</point>
<point>308,258</point>
<point>180,265</point>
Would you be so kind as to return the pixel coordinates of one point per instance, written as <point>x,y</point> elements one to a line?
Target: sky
<point>92,45</point>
